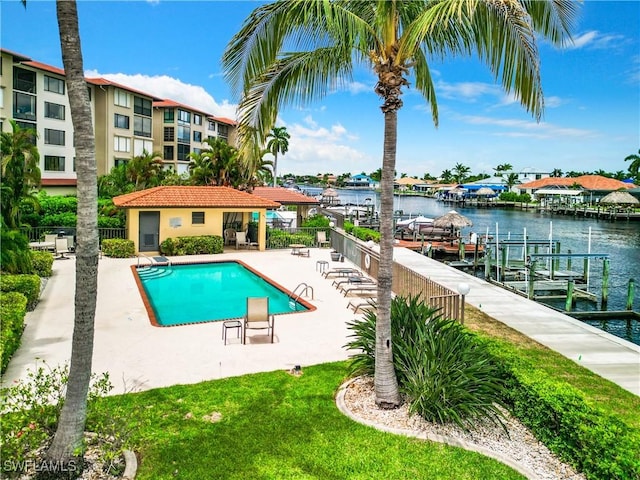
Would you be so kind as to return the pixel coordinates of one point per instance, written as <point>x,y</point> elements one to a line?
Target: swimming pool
<point>204,292</point>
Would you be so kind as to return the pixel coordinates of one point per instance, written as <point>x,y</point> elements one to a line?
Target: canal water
<point>620,240</point>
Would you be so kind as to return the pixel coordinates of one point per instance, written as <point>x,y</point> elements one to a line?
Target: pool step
<point>151,273</point>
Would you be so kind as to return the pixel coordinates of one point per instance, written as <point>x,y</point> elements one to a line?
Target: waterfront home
<point>583,189</point>
<point>407,183</point>
<point>361,181</point>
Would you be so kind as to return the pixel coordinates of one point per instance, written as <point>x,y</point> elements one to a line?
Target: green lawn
<point>275,425</point>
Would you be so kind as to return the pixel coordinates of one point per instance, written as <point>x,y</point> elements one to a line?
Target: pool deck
<point>139,356</point>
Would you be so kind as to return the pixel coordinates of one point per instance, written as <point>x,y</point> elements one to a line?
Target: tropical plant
<point>447,375</point>
<point>223,159</point>
<point>116,182</point>
<point>67,442</point>
<point>634,166</point>
<point>393,38</point>
<point>446,176</point>
<point>460,172</point>
<point>201,168</point>
<point>145,170</point>
<point>277,142</point>
<point>20,173</point>
<point>14,252</point>
<point>556,173</point>
<point>503,167</point>
<point>511,180</point>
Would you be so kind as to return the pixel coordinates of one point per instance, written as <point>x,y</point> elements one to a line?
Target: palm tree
<point>68,439</point>
<point>145,170</point>
<point>503,167</point>
<point>20,172</point>
<point>556,173</point>
<point>278,143</point>
<point>446,176</point>
<point>460,172</point>
<point>201,168</point>
<point>511,180</point>
<point>634,167</point>
<point>393,38</point>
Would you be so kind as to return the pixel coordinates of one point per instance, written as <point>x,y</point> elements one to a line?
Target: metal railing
<point>405,281</point>
<point>36,234</point>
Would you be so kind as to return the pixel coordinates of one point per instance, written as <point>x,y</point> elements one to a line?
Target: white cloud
<point>596,40</point>
<point>521,128</point>
<point>167,87</point>
<point>467,91</point>
<point>321,149</point>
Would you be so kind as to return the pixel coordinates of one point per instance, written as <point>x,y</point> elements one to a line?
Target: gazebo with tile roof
<point>158,213</point>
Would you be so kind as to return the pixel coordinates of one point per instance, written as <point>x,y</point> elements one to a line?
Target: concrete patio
<point>139,356</point>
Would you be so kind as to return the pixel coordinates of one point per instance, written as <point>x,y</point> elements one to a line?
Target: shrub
<point>362,233</point>
<point>65,219</point>
<point>31,409</point>
<point>118,248</point>
<point>316,221</point>
<point>13,307</point>
<point>515,197</point>
<point>26,284</point>
<point>599,444</point>
<point>110,222</point>
<point>14,252</point>
<point>42,263</point>
<point>282,239</point>
<point>446,374</point>
<point>197,245</point>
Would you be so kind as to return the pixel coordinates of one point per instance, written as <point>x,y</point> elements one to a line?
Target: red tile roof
<point>588,182</point>
<point>205,197</point>
<point>104,81</point>
<point>44,66</point>
<point>284,196</point>
<point>172,103</point>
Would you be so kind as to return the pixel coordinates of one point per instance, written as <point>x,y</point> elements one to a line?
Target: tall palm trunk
<point>386,383</point>
<point>275,169</point>
<point>67,441</point>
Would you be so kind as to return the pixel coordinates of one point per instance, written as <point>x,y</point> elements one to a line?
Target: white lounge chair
<point>62,247</point>
<point>242,240</point>
<point>321,239</point>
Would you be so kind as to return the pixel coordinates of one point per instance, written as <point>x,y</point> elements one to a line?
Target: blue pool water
<point>204,292</point>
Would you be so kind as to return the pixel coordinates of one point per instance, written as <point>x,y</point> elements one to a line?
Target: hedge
<point>28,285</point>
<point>362,233</point>
<point>118,248</point>
<point>13,307</point>
<point>203,244</point>
<point>282,239</point>
<point>598,443</point>
<point>42,263</point>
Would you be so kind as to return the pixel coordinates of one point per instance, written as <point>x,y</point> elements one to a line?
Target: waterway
<point>620,240</point>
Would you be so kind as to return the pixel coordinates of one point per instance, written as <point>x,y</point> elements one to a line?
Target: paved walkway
<point>607,355</point>
<point>139,356</point>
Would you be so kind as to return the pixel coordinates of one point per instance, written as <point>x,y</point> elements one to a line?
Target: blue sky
<point>173,50</point>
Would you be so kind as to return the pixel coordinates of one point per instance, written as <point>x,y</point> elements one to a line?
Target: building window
<point>142,126</point>
<point>122,144</point>
<point>197,136</point>
<point>120,161</point>
<point>24,80</point>
<point>212,126</point>
<point>53,110</point>
<point>52,84</point>
<point>29,126</point>
<point>197,119</point>
<point>223,130</point>
<point>169,134</point>
<point>53,137</point>
<point>184,116</point>
<point>53,164</point>
<point>24,106</point>
<point>121,98</point>
<point>121,121</point>
<point>141,146</point>
<point>168,152</point>
<point>184,134</point>
<point>169,115</point>
<point>142,106</point>
<point>197,218</point>
<point>183,152</point>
